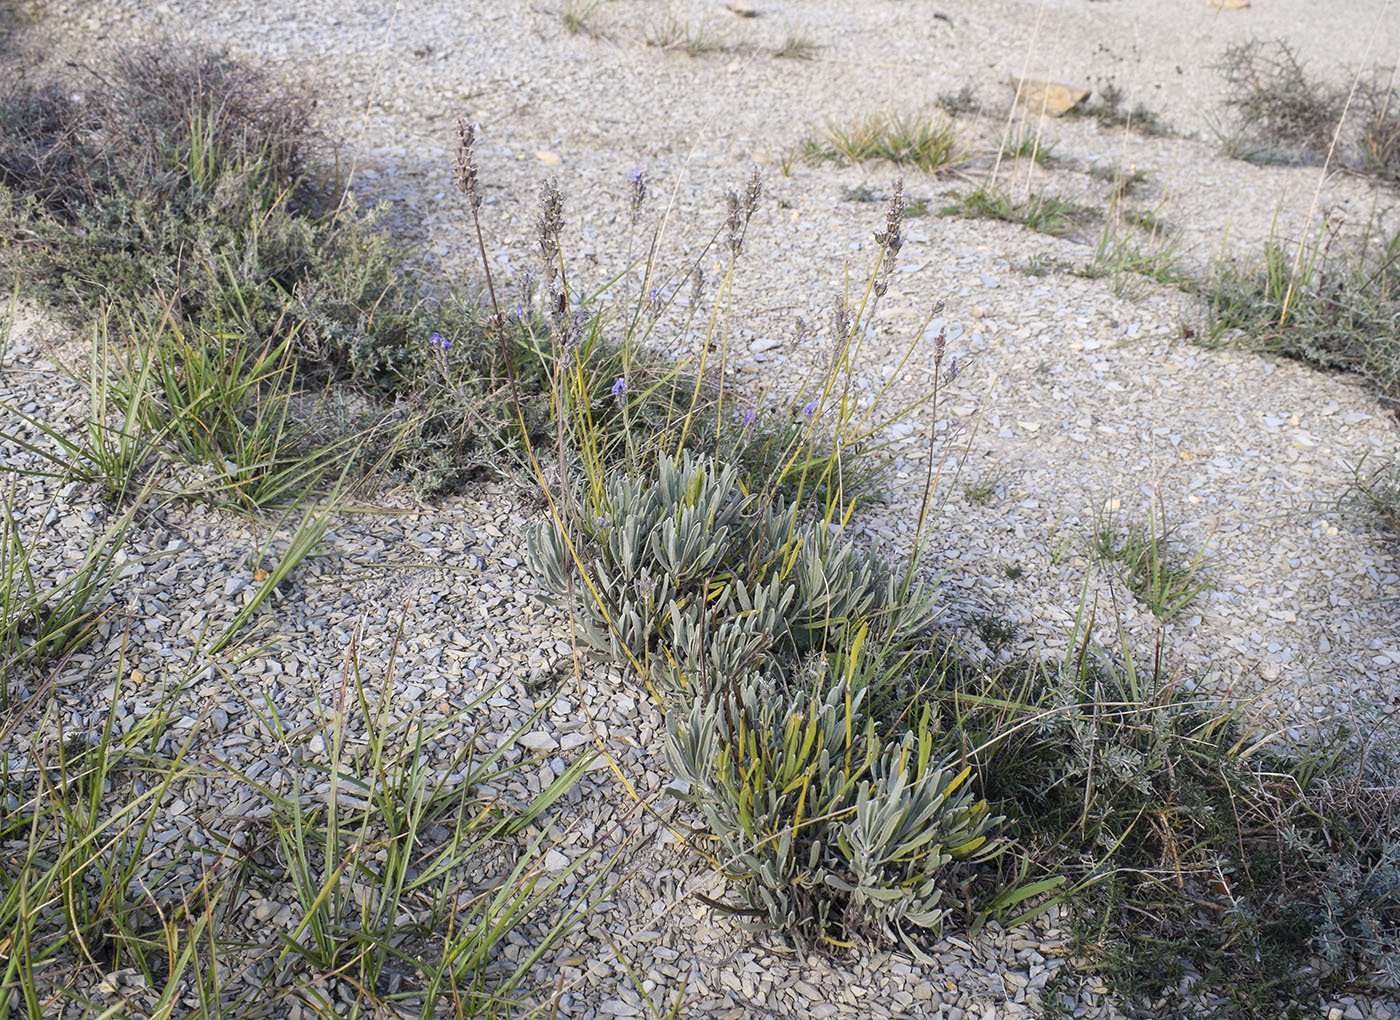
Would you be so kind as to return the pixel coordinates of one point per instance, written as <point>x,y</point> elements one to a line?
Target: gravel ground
<point>1071,398</point>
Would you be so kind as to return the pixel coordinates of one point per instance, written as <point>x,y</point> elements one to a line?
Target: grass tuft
<point>577,17</point>
<point>692,39</point>
<point>1157,575</point>
<point>1045,214</point>
<point>1328,303</point>
<point>930,144</point>
<point>797,45</point>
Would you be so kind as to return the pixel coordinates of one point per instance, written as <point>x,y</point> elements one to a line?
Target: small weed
<point>986,490</point>
<point>1042,213</point>
<point>1146,219</point>
<point>1041,264</point>
<point>694,40</point>
<point>306,536</point>
<point>797,45</point>
<point>1025,144</point>
<point>1154,572</point>
<point>1326,303</point>
<point>996,632</point>
<point>1122,182</point>
<point>860,193</point>
<point>916,207</point>
<point>1061,543</point>
<point>41,622</point>
<point>1122,259</point>
<point>1014,571</point>
<point>926,143</point>
<point>1109,108</point>
<point>577,17</point>
<point>1377,493</point>
<point>960,103</point>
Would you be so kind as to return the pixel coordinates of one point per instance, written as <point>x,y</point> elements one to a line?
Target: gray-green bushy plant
<point>770,641</point>
<point>694,581</point>
<point>829,830</point>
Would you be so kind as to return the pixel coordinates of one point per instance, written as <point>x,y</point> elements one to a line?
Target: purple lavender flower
<point>811,408</point>
<point>436,340</point>
<point>749,416</point>
<point>619,387</point>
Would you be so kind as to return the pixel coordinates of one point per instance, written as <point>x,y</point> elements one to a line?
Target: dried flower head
<point>752,193</point>
<point>638,194</point>
<point>464,166</point>
<point>940,342</point>
<point>734,222</point>
<point>697,287</point>
<point>841,323</point>
<point>741,210</point>
<point>891,239</point>
<point>550,226</point>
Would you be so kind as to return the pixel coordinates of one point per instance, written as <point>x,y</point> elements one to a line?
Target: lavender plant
<point>695,582</point>
<point>829,831</point>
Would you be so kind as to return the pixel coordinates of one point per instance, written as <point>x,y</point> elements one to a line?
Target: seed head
<point>752,194</point>
<point>550,225</point>
<point>841,320</point>
<point>734,222</point>
<point>638,194</point>
<point>464,166</point>
<point>741,210</point>
<point>891,239</point>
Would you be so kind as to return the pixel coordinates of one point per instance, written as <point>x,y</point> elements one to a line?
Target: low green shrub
<point>218,225</point>
<point>695,580</point>
<point>1184,843</point>
<point>1280,112</point>
<point>830,831</point>
<point>1329,304</point>
<point>1109,106</point>
<point>778,651</point>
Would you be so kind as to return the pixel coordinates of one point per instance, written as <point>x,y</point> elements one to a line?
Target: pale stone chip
<point>1051,97</point>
